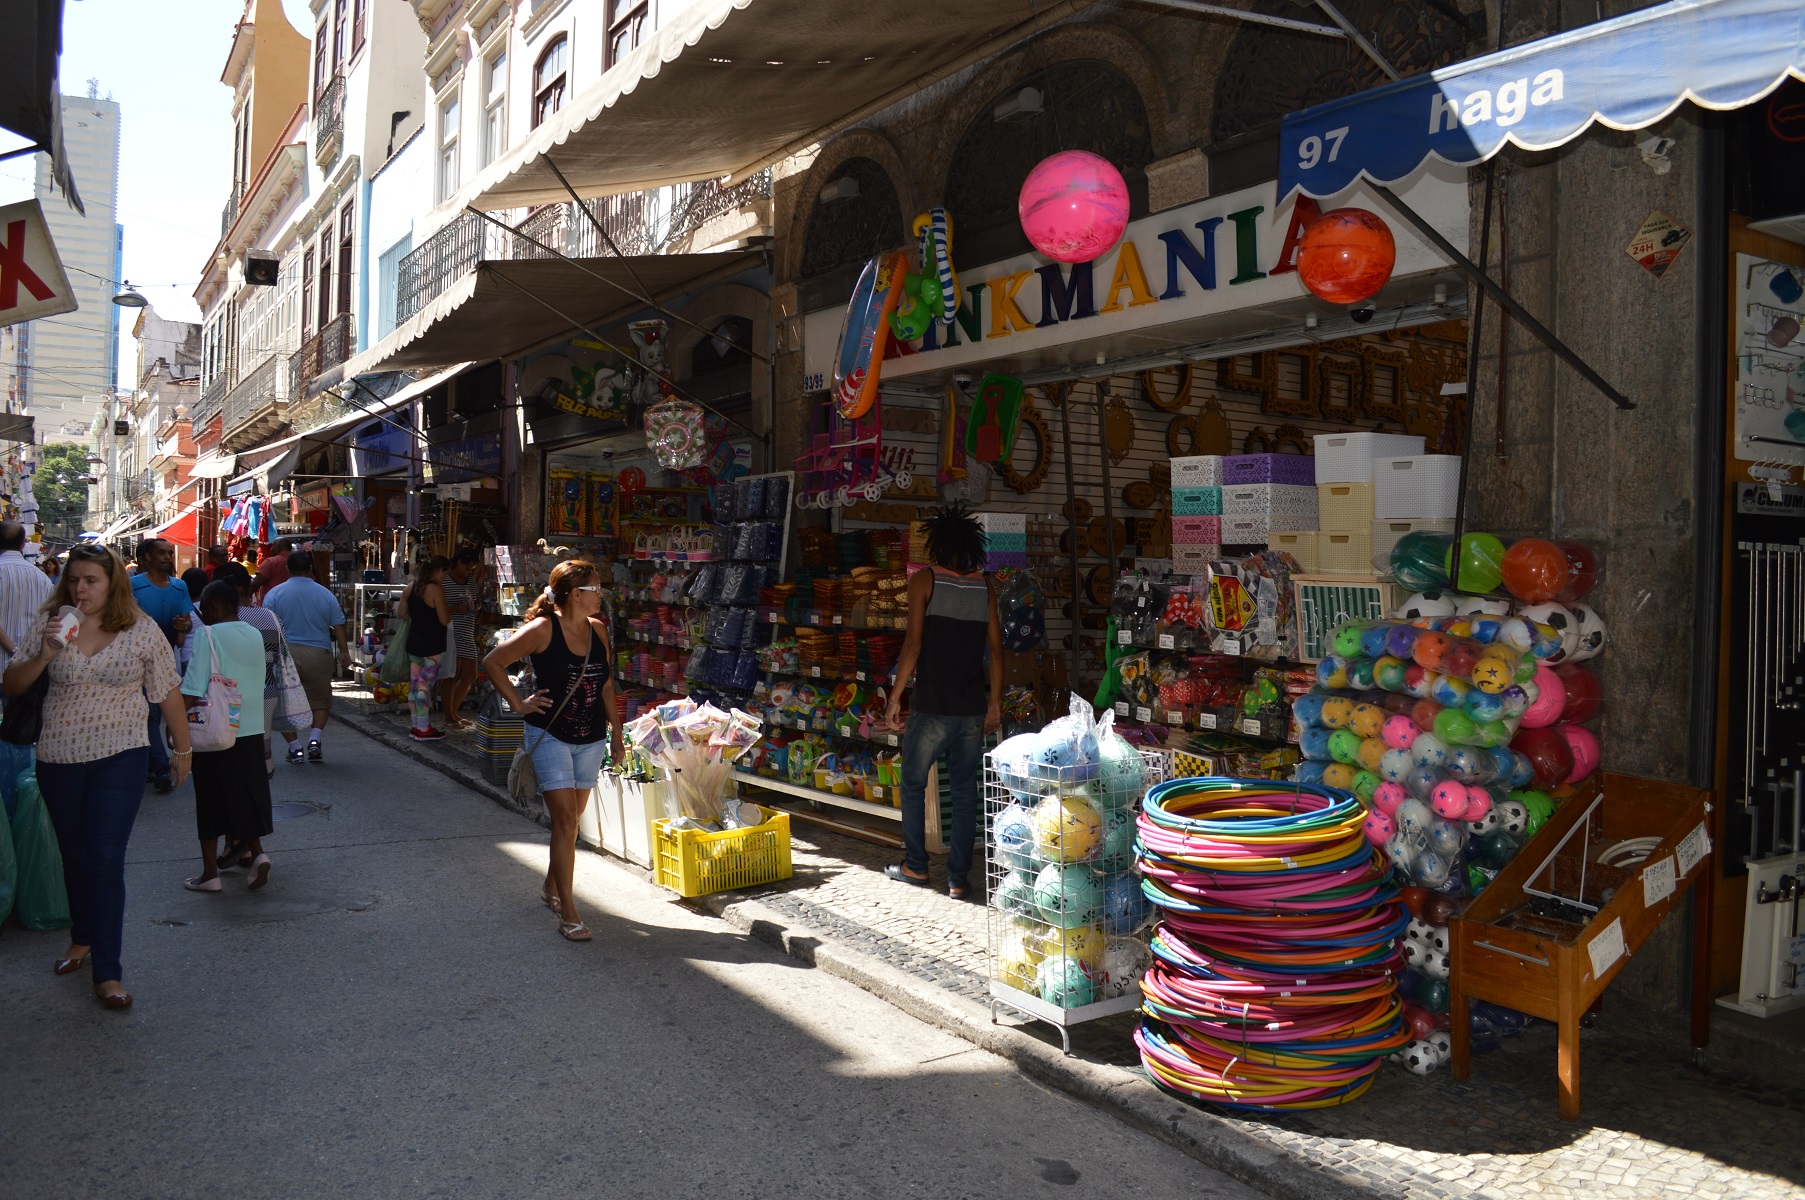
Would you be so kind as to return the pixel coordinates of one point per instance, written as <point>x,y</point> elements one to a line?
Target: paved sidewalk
<point>1653,1123</point>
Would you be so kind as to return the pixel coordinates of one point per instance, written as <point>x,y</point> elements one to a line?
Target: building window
<point>346,228</point>
<point>626,25</point>
<point>341,31</point>
<point>495,108</point>
<point>359,12</point>
<point>448,148</point>
<point>322,62</point>
<point>325,275</point>
<point>549,77</point>
<point>388,271</point>
<point>307,295</point>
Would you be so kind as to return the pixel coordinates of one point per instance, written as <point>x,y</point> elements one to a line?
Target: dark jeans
<point>925,739</point>
<point>159,753</point>
<point>93,805</point>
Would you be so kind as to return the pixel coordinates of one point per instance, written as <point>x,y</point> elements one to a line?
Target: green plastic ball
<point>1346,640</point>
<point>1454,727</point>
<point>1433,995</point>
<point>1481,563</point>
<point>1490,733</point>
<point>1417,562</point>
<point>1360,673</point>
<point>1344,746</point>
<point>1365,784</point>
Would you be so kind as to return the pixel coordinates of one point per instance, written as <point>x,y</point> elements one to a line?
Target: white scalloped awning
<point>725,84</point>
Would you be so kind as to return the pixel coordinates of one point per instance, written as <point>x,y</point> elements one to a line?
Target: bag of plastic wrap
<point>40,898</point>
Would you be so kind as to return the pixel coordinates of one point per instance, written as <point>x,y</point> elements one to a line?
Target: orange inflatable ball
<point>1346,255</point>
<point>1535,570</point>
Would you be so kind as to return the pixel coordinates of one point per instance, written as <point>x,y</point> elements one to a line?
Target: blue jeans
<point>925,739</point>
<point>93,806</point>
<point>159,753</point>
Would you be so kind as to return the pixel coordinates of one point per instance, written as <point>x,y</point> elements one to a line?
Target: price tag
<point>892,739</point>
<point>815,672</point>
<point>837,618</point>
<point>1175,718</point>
<point>1658,881</point>
<point>1250,726</point>
<point>859,675</point>
<point>771,617</point>
<point>1122,637</point>
<point>1231,646</point>
<point>1143,714</point>
<point>1206,720</point>
<point>1693,847</point>
<point>1166,642</point>
<point>1605,949</point>
<point>1121,708</point>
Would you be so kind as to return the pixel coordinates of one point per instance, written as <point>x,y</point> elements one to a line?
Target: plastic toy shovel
<point>990,436</point>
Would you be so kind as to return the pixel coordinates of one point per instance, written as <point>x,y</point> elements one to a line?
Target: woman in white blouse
<point>94,750</point>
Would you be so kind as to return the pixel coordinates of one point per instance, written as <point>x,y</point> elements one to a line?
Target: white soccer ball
<point>1469,606</point>
<point>1426,604</point>
<point>1591,637</point>
<point>1435,963</point>
<point>1421,1058</point>
<point>1443,1042</point>
<point>1420,931</point>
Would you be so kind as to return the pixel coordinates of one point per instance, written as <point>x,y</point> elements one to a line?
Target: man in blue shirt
<point>164,600</point>
<point>313,622</point>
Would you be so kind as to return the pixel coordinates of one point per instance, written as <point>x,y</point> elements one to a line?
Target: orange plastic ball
<point>1346,255</point>
<point>1535,570</point>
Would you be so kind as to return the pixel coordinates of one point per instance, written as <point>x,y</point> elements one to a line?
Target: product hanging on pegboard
<point>675,434</point>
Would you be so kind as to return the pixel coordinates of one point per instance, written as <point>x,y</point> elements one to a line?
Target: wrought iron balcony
<point>230,213</point>
<point>256,405</point>
<point>651,222</point>
<point>323,351</point>
<point>329,121</point>
<point>211,401</point>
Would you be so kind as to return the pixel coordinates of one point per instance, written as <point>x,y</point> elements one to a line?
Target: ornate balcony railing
<point>323,351</point>
<point>329,121</point>
<point>650,222</point>
<point>257,395</point>
<point>211,401</point>
<point>230,213</point>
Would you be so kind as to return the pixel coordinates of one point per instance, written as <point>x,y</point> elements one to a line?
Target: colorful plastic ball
<point>1387,796</point>
<point>1378,826</point>
<point>1064,982</point>
<point>1399,732</point>
<point>1366,720</point>
<point>1428,750</point>
<point>1584,746</point>
<point>1492,673</point>
<point>1331,672</point>
<point>1450,692</point>
<point>1454,726</point>
<point>1483,706</point>
<point>1015,894</point>
<point>1446,837</point>
<point>1515,633</point>
<point>1421,1022</point>
<point>1365,785</point>
<point>1346,640</point>
<point>1421,781</point>
<point>1548,752</point>
<point>1414,899</point>
<point>1308,708</point>
<point>1370,754</point>
<point>1313,743</point>
<point>1590,638</point>
<point>1400,640</point>
<point>1459,658</point>
<point>1468,764</point>
<point>1015,969</point>
<point>1413,817</point>
<point>1344,746</point>
<point>1515,699</point>
<point>1416,563</point>
<point>1080,943</point>
<point>1503,762</point>
<point>1458,627</point>
<point>1346,255</point>
<point>1068,894</point>
<point>1125,960</point>
<point>1479,802</point>
<point>1431,870</point>
<point>1419,681</point>
<point>1434,995</point>
<point>1582,565</point>
<point>1395,765</point>
<point>1337,711</point>
<point>1487,629</point>
<point>1400,852</point>
<point>1360,673</point>
<point>1550,701</point>
<point>1481,559</point>
<point>1562,621</point>
<point>1424,712</point>
<point>1311,772</point>
<point>1340,775</point>
<point>1013,836</point>
<point>1539,806</point>
<point>1388,673</point>
<point>1535,570</point>
<point>1073,206</point>
<point>1430,649</point>
<point>1118,840</point>
<point>1521,770</point>
<point>1584,695</point>
<point>1449,799</point>
<point>1067,829</point>
<point>1491,733</point>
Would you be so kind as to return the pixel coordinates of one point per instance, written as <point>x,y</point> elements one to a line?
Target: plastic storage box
<point>692,862</point>
<point>1197,470</point>
<point>1346,506</point>
<point>1246,529</point>
<point>1425,486</point>
<point>1345,552</point>
<point>1194,560</point>
<point>1299,544</point>
<point>1296,469</point>
<point>1196,531</point>
<point>1196,501</point>
<point>1348,457</point>
<point>1289,505</point>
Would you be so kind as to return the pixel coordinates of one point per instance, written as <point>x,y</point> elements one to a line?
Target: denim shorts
<point>564,764</point>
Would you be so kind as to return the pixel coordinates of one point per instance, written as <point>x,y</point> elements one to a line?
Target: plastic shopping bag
<point>9,870</point>
<point>41,900</point>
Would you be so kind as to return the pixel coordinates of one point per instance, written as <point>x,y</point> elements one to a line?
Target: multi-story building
<point>71,361</point>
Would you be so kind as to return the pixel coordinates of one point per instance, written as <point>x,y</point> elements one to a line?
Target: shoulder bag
<point>523,777</point>
<point>293,710</point>
<point>213,720</point>
<point>23,720</point>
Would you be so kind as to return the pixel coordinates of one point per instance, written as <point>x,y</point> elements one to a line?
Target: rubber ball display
<point>1073,206</point>
<point>1346,255</point>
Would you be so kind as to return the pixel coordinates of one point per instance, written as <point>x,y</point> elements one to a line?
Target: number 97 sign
<point>32,281</point>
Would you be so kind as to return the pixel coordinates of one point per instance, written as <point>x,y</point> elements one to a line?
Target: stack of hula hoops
<point>1274,980</point>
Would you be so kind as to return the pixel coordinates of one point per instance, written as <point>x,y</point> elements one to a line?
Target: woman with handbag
<point>275,647</point>
<point>570,713</point>
<point>428,616</point>
<point>231,787</point>
<point>93,746</point>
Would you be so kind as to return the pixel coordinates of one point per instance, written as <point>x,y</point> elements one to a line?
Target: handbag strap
<point>588,648</point>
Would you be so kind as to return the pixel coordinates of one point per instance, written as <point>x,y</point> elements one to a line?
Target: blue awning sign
<point>1625,73</point>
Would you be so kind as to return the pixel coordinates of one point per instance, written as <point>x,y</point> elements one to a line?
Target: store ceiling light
<point>1023,105</point>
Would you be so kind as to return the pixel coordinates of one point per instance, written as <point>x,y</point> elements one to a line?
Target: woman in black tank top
<point>427,616</point>
<point>570,714</point>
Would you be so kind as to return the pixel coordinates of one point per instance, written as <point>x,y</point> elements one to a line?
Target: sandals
<point>259,872</point>
<point>550,900</point>
<point>895,871</point>
<point>197,884</point>
<point>574,931</point>
<point>958,891</point>
<point>66,966</point>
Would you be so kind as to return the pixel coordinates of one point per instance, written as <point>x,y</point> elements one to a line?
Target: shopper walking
<point>91,753</point>
<point>231,788</point>
<point>428,618</point>
<point>571,712</point>
<point>958,692</point>
<point>314,624</point>
<point>269,625</point>
<point>460,595</point>
<point>196,581</point>
<point>23,590</point>
<point>167,602</point>
<point>272,567</point>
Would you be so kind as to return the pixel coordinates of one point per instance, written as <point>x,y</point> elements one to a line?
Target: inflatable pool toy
<point>865,333</point>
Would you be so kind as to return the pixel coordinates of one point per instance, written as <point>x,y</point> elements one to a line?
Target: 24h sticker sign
<point>32,281</point>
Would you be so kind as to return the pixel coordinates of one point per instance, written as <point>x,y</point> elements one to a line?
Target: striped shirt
<point>23,590</point>
<point>463,625</point>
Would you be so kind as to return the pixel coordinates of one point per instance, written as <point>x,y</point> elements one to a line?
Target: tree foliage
<point>62,497</point>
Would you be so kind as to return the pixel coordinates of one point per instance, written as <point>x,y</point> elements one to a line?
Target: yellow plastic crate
<point>692,862</point>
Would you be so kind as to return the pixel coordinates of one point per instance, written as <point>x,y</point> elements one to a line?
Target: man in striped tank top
<point>954,653</point>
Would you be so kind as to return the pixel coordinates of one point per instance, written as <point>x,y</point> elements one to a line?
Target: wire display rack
<point>1067,920</point>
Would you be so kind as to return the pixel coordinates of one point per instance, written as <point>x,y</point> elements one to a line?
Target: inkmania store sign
<point>1215,257</point>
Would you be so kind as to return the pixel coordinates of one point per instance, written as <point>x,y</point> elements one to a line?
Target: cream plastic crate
<point>1197,470</point>
<point>1344,552</point>
<point>1348,457</point>
<point>1299,544</point>
<point>1345,506</point>
<point>1423,486</point>
<point>1386,534</point>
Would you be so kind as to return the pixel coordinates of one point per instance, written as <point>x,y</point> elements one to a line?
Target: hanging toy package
<point>675,435</point>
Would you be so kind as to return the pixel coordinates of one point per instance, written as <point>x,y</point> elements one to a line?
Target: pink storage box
<point>1196,531</point>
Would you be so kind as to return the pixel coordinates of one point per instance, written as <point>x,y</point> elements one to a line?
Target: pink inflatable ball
<point>1399,732</point>
<point>1550,699</point>
<point>1379,826</point>
<point>1479,803</point>
<point>1449,799</point>
<point>1584,746</point>
<point>1387,797</point>
<point>1584,695</point>
<point>1074,206</point>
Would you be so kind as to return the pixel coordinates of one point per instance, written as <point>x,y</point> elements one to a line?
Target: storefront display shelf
<point>809,793</point>
<point>885,737</point>
<point>679,643</point>
<point>680,689</point>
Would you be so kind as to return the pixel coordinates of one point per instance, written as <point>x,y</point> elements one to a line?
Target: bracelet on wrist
<point>181,753</point>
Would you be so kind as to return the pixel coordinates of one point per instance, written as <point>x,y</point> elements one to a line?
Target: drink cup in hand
<point>67,623</point>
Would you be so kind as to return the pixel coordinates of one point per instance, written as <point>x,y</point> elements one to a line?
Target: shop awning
<point>183,530</point>
<point>503,308</point>
<point>214,466</point>
<point>30,101</point>
<point>1625,73</point>
<point>122,526</point>
<point>725,84</point>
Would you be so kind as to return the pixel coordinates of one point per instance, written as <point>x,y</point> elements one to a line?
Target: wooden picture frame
<point>1288,385</point>
<point>1243,372</point>
<point>1340,388</point>
<point>1382,391</point>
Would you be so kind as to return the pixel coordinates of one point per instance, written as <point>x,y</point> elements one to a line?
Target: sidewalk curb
<point>1215,1141</point>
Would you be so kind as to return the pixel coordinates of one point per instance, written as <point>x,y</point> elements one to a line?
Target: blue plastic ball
<point>1125,907</point>
<point>1068,894</point>
<point>1314,743</point>
<point>1012,832</point>
<point>1483,706</point>
<point>1309,772</point>
<point>1118,840</point>
<point>1308,708</point>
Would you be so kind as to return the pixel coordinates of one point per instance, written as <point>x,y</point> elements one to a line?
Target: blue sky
<point>161,60</point>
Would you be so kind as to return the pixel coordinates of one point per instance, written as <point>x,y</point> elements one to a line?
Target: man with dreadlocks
<point>954,651</point>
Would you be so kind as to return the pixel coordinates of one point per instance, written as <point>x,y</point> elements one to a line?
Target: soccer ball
<point>1422,605</point>
<point>1468,606</point>
<point>1489,823</point>
<point>1513,817</point>
<point>1444,1046</point>
<point>1418,931</point>
<point>1591,634</point>
<point>1559,618</point>
<point>1416,954</point>
<point>1435,963</point>
<point>1438,938</point>
<point>1421,1057</point>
